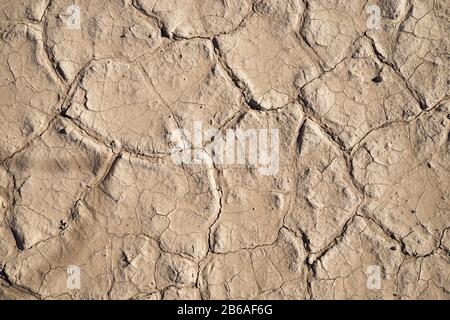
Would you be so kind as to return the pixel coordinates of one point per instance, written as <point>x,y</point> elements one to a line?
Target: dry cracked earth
<point>87,178</point>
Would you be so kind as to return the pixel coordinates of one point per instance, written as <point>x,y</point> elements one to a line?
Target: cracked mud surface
<point>87,178</point>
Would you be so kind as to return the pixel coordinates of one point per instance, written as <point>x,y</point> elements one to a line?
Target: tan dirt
<point>89,100</point>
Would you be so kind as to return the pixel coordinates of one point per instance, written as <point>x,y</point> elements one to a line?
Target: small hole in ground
<point>377,79</point>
